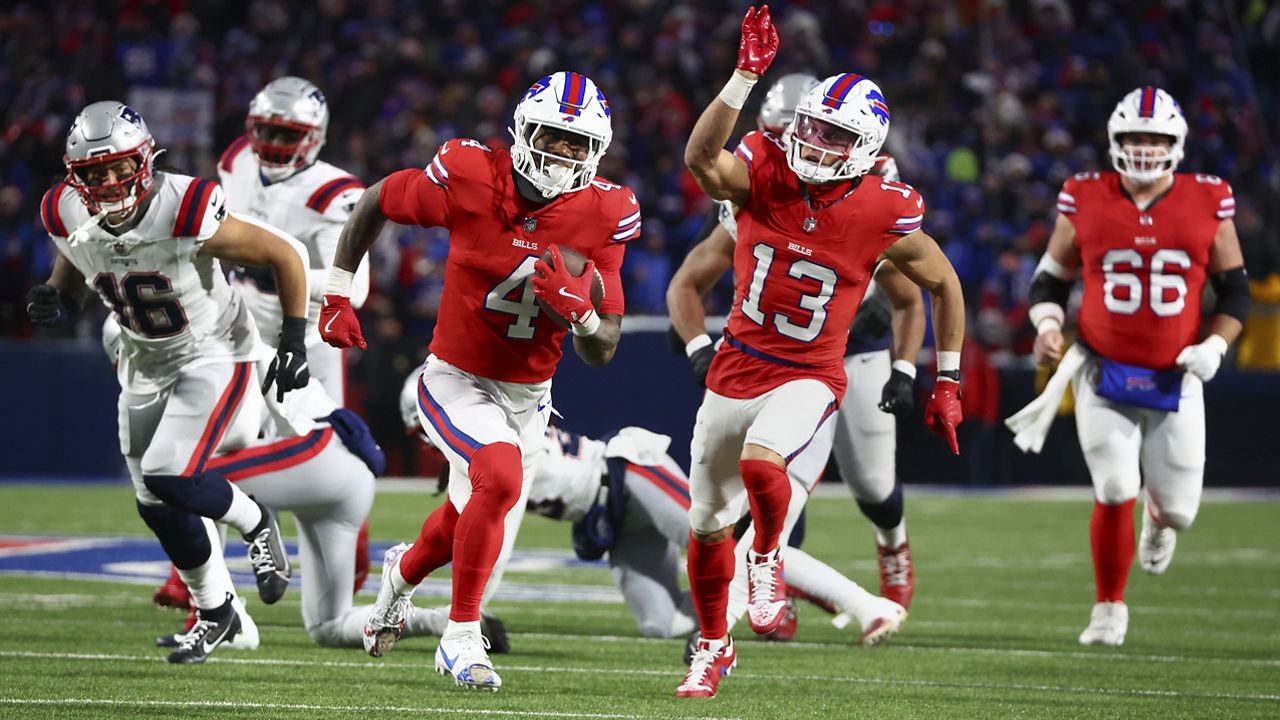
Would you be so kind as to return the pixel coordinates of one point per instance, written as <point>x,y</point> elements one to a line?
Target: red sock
<point>496,474</point>
<point>362,556</point>
<point>711,566</point>
<point>769,493</point>
<point>434,546</point>
<point>1111,536</point>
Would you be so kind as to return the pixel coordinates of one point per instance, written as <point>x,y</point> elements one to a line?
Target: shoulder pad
<point>51,212</point>
<point>228,159</point>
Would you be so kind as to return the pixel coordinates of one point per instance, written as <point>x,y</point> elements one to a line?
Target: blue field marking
<point>141,561</point>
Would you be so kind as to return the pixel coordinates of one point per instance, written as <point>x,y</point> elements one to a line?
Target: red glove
<point>943,414</point>
<point>759,41</point>
<point>338,324</point>
<point>568,296</point>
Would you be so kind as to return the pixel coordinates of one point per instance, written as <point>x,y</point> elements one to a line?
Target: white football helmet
<point>841,124</point>
<point>102,134</point>
<point>779,107</point>
<point>1146,110</point>
<point>566,102</point>
<point>286,124</point>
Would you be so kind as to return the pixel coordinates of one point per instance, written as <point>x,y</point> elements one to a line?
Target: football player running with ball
<point>811,228</point>
<point>485,394</point>
<point>1144,239</point>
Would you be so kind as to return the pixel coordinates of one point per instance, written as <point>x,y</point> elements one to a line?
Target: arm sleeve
<point>421,197</point>
<point>1226,208</point>
<point>1067,197</point>
<point>214,214</point>
<point>908,205</point>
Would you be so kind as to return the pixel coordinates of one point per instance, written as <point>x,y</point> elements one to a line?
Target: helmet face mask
<point>838,130</point>
<point>109,159</point>
<point>562,130</point>
<point>286,126</point>
<point>1147,133</point>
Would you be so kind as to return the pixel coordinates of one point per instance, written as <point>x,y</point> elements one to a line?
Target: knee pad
<point>702,519</point>
<point>181,534</point>
<point>885,514</point>
<point>498,471</point>
<point>1114,489</point>
<point>1177,520</point>
<point>206,494</point>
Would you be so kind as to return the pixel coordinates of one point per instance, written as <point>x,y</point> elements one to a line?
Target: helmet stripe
<point>575,92</point>
<point>1147,106</point>
<point>840,89</point>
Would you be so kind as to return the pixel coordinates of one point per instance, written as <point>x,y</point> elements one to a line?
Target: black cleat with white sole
<point>213,628</point>
<point>267,556</point>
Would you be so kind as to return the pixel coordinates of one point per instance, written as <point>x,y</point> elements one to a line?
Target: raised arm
<point>720,173</point>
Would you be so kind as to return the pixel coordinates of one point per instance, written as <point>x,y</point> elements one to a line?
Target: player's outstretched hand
<point>1203,359</point>
<point>943,414</point>
<point>338,323</point>
<point>288,368</point>
<point>759,43</point>
<point>568,296</point>
<point>45,306</point>
<point>898,395</point>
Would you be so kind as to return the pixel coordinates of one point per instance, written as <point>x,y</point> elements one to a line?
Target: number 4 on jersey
<point>525,309</point>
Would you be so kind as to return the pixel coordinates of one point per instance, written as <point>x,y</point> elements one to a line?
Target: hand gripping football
<point>574,263</point>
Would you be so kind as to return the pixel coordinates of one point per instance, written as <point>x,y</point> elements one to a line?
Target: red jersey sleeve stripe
<point>191,212</point>
<point>49,213</point>
<point>320,199</point>
<point>228,158</point>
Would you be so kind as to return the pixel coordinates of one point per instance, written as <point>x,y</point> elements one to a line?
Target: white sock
<point>398,584</point>
<point>244,514</point>
<point>893,537</point>
<point>818,579</point>
<point>455,629</point>
<point>209,583</point>
<point>737,606</point>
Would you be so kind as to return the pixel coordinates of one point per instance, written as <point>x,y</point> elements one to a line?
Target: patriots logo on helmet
<point>317,97</point>
<point>131,115</point>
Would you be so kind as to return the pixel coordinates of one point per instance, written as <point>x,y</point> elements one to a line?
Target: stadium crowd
<point>994,105</point>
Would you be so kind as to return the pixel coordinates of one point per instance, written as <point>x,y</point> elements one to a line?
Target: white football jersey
<point>568,475</point>
<point>174,306</point>
<point>312,206</point>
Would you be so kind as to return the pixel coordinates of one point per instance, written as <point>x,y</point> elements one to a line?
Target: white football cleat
<point>247,638</point>
<point>1155,546</point>
<point>465,656</point>
<point>389,613</point>
<point>766,591</point>
<point>1107,624</point>
<point>889,618</point>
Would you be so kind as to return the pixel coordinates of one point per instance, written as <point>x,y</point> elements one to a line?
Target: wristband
<point>1216,343</point>
<point>906,367</point>
<point>697,344</point>
<point>339,282</point>
<point>948,360</point>
<point>587,325</point>
<point>1046,316</point>
<point>735,92</point>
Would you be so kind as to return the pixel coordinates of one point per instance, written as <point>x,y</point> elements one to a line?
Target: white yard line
<point>355,710</point>
<point>674,673</point>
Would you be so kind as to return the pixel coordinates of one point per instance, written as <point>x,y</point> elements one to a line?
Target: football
<point>575,263</point>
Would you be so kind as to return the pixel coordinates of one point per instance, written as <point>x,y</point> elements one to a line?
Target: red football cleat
<point>786,630</point>
<point>173,593</point>
<point>712,660</point>
<point>897,573</point>
<point>766,591</point>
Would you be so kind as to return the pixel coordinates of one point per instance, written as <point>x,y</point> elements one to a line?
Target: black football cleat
<point>267,556</point>
<point>494,629</point>
<point>212,628</point>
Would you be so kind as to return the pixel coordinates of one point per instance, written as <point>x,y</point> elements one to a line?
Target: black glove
<point>899,394</point>
<point>701,361</point>
<point>45,306</point>
<point>289,367</point>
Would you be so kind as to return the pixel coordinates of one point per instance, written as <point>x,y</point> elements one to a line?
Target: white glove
<point>1202,360</point>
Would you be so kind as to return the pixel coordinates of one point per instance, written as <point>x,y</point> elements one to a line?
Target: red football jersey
<point>800,274</point>
<point>489,323</point>
<point>1144,271</point>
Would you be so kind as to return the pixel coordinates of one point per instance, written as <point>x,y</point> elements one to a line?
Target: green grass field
<point>1004,585</point>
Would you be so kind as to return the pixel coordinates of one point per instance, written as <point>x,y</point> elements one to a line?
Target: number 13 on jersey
<point>816,304</point>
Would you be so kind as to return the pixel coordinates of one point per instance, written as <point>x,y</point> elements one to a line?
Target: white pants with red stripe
<point>214,407</point>
<point>462,412</point>
<point>329,491</point>
<point>645,557</point>
<point>783,420</point>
